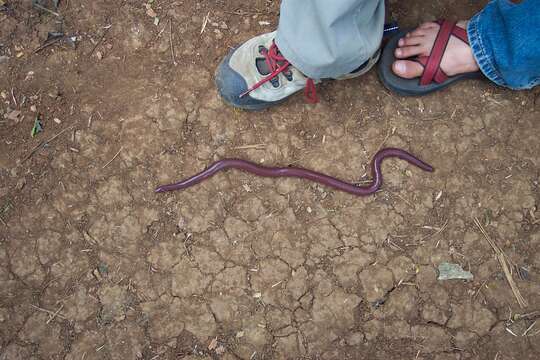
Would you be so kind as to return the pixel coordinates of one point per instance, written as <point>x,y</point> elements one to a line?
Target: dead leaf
<point>150,12</point>
<point>213,344</point>
<point>14,115</point>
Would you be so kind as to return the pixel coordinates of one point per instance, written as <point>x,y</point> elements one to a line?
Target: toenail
<point>399,52</point>
<point>400,42</point>
<point>400,67</point>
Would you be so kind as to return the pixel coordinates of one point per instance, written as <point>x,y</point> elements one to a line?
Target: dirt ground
<point>94,265</point>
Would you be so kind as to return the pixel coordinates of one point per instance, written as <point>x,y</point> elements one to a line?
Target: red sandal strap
<point>461,34</point>
<point>457,31</point>
<point>434,60</point>
<point>440,75</point>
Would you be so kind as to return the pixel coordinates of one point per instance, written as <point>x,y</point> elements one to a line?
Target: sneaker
<point>256,75</point>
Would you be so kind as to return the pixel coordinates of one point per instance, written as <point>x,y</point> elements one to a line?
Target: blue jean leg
<point>505,40</point>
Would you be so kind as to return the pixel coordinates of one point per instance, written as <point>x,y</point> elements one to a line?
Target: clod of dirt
<point>426,277</point>
<point>432,338</point>
<point>355,338</point>
<point>188,280</point>
<point>251,209</point>
<point>347,266</point>
<point>80,306</point>
<point>402,267</point>
<point>114,301</point>
<point>84,347</point>
<point>125,341</point>
<point>400,304</point>
<point>372,329</point>
<point>472,315</point>
<point>48,336</point>
<point>25,264</point>
<point>49,245</point>
<point>376,281</point>
<point>17,352</point>
<point>335,310</point>
<point>165,318</point>
<point>431,313</point>
<point>398,329</point>
<point>166,254</point>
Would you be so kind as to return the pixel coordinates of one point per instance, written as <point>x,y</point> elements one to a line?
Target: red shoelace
<point>277,65</point>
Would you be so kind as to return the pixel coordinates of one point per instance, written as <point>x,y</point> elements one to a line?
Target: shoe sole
<point>258,105</point>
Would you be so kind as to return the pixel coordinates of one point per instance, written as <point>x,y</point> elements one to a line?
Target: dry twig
<point>505,262</point>
<point>529,329</point>
<point>47,10</point>
<point>205,21</point>
<point>47,311</point>
<point>253,146</point>
<point>107,28</point>
<point>14,99</point>
<point>43,143</point>
<point>171,41</point>
<point>114,157</point>
<point>51,318</point>
<point>438,231</point>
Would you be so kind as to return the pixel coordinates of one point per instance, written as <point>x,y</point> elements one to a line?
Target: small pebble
<point>97,275</point>
<point>33,108</point>
<point>20,183</point>
<point>57,120</point>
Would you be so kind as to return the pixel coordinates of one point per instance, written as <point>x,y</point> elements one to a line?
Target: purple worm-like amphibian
<point>302,173</point>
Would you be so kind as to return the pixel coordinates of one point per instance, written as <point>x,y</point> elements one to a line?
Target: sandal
<point>433,77</point>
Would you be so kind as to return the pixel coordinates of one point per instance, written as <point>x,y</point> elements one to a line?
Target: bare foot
<point>457,58</point>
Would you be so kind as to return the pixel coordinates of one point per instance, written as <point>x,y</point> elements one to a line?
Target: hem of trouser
<point>484,61</point>
<point>314,72</point>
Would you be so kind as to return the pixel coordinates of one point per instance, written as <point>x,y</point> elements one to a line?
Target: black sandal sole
<point>411,87</point>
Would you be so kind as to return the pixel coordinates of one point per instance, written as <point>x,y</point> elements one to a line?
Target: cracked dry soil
<point>94,265</point>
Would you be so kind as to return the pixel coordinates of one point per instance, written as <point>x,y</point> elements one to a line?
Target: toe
<point>428,25</point>
<point>410,41</point>
<point>408,51</point>
<point>418,32</point>
<point>407,69</point>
